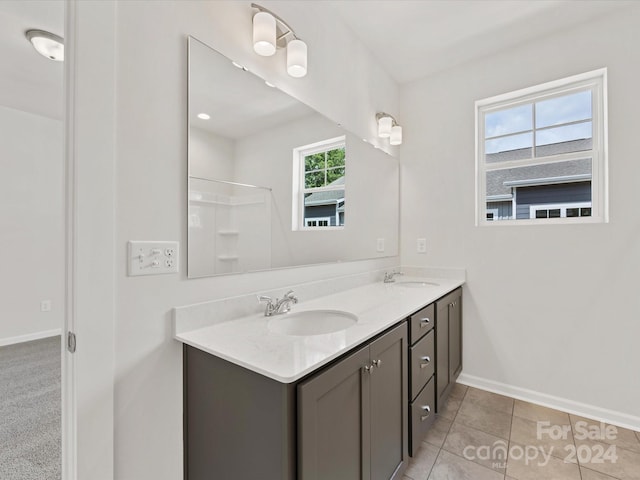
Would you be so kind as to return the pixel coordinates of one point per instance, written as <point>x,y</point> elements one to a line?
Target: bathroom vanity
<point>350,404</point>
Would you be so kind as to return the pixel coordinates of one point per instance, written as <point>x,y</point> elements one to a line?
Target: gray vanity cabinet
<point>448,344</point>
<point>352,417</point>
<point>238,424</point>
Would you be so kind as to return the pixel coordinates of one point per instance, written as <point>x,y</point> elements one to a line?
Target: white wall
<point>150,190</point>
<point>31,232</point>
<point>549,309</point>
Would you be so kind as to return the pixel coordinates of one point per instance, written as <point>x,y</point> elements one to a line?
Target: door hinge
<point>71,342</point>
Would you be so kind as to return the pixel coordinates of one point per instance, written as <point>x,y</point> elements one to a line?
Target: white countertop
<point>248,342</point>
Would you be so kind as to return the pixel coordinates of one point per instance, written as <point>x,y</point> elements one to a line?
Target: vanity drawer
<point>420,323</point>
<point>422,356</point>
<point>422,414</point>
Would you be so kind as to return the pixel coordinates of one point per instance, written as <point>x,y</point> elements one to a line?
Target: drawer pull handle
<point>424,322</point>
<point>427,361</point>
<point>427,409</point>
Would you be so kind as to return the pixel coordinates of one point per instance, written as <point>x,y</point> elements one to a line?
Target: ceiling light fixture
<point>389,128</point>
<point>204,116</point>
<point>270,32</point>
<point>47,44</point>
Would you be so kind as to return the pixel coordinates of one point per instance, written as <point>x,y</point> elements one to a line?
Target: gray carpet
<point>30,411</point>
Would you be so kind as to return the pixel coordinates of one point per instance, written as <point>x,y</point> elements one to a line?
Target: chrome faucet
<point>278,306</point>
<point>389,276</point>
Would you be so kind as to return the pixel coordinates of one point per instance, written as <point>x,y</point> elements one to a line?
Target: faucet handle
<point>290,296</point>
<point>264,298</point>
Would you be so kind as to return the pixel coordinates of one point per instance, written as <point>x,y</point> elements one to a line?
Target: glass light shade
<point>396,135</point>
<point>47,44</point>
<point>297,58</point>
<point>264,34</point>
<point>384,127</point>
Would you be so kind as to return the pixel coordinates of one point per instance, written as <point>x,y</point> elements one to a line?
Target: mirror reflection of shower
<point>230,225</point>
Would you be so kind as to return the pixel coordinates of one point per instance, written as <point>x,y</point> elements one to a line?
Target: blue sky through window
<point>514,125</point>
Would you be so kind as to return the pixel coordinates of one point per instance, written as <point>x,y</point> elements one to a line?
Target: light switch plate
<point>380,245</point>
<point>152,258</point>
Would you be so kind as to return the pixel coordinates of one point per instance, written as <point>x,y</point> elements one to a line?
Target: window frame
<point>596,81</point>
<point>298,220</point>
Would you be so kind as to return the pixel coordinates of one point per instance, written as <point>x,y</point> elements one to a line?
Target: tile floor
<point>484,436</point>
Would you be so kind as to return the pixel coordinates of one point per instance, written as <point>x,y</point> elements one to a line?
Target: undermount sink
<point>416,284</point>
<point>312,322</point>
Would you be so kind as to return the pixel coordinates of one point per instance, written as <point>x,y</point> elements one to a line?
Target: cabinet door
<point>455,337</point>
<point>333,421</point>
<point>389,405</point>
<point>442,347</point>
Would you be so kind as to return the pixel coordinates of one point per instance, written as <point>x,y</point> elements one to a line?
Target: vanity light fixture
<point>47,44</point>
<point>270,32</point>
<point>389,128</point>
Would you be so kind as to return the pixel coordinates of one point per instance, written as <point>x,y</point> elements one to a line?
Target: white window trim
<point>562,206</point>
<point>597,81</point>
<point>298,222</point>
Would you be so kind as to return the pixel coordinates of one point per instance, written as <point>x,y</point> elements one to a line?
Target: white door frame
<point>88,374</point>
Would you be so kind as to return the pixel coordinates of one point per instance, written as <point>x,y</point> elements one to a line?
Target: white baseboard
<point>570,406</point>
<point>30,337</point>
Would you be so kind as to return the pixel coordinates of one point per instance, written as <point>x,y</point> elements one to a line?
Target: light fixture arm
<point>380,115</point>
<point>284,31</point>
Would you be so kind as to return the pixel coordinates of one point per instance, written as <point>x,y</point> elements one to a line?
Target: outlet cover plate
<point>152,258</point>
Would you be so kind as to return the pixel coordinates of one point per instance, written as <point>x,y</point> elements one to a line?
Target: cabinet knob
<point>367,368</point>
<point>427,409</point>
<point>377,363</point>
<point>426,361</point>
<point>424,322</point>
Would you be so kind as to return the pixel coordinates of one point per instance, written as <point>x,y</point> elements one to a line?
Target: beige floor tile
<point>479,447</point>
<point>422,462</point>
<point>485,419</point>
<point>438,431</point>
<point>458,391</point>
<point>489,400</point>
<point>592,475</point>
<point>594,456</point>
<point>449,467</point>
<point>549,468</point>
<point>558,441</point>
<point>538,413</point>
<point>451,408</point>
<point>621,437</point>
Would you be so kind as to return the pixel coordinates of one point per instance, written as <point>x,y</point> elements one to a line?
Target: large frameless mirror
<point>273,183</point>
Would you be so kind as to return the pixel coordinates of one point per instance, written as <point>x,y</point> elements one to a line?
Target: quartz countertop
<point>247,341</point>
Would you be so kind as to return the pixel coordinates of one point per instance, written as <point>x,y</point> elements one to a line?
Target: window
<point>560,211</point>
<point>319,185</point>
<point>541,153</point>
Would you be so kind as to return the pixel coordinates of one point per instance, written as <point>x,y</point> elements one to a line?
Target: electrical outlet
<point>45,306</point>
<point>380,245</point>
<point>152,258</point>
<point>421,245</point>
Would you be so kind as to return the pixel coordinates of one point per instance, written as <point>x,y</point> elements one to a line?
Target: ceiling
<point>410,38</point>
<point>239,103</point>
<point>415,38</point>
<point>29,81</point>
